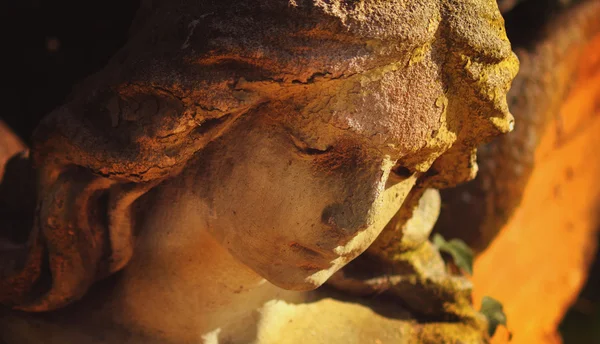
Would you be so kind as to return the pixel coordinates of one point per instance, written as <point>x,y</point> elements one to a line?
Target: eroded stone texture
<point>233,141</point>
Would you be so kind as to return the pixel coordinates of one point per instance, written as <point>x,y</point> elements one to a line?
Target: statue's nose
<point>346,216</point>
<point>359,197</point>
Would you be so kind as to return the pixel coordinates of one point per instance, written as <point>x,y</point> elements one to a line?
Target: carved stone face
<point>277,210</point>
<point>296,194</point>
<point>303,183</point>
<point>288,118</point>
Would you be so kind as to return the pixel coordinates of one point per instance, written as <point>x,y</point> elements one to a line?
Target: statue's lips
<point>313,253</point>
<point>311,266</point>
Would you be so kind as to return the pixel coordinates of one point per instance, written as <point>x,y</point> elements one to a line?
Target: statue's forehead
<point>402,108</point>
<point>397,105</point>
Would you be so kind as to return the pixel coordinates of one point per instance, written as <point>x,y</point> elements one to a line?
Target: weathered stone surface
<point>233,143</point>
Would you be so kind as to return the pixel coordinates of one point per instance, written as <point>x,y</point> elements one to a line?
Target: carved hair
<point>189,71</point>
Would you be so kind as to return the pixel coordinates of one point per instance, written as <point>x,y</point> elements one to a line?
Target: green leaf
<point>460,252</point>
<point>494,312</point>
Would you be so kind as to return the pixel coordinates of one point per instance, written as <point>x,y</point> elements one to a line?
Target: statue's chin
<point>303,279</point>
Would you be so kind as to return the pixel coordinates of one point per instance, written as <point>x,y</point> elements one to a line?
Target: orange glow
<point>539,261</point>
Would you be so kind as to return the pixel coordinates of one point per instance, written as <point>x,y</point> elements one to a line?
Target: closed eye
<point>305,149</point>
